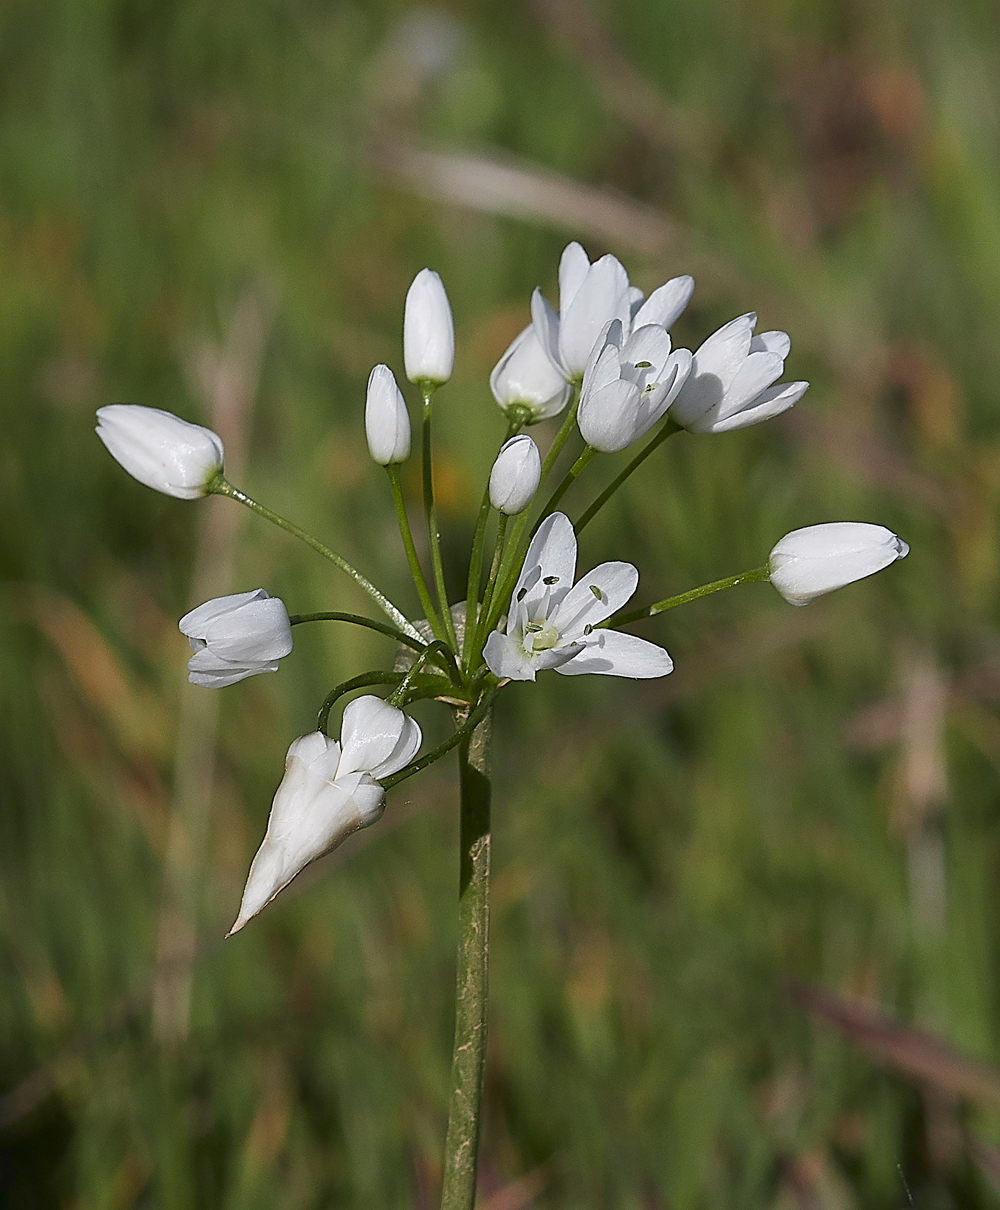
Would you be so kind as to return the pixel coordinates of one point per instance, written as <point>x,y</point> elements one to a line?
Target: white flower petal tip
<point>329,791</point>
<point>428,331</point>
<point>387,422</point>
<point>525,381</point>
<point>159,449</point>
<point>515,475</point>
<point>818,559</point>
<point>554,623</point>
<point>236,637</point>
<point>731,384</point>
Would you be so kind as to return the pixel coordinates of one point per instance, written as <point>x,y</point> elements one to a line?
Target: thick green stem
<point>433,533</point>
<point>461,1150</point>
<point>220,487</point>
<point>745,577</point>
<point>669,428</point>
<point>392,470</point>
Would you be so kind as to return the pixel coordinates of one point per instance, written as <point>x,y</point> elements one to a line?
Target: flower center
<point>540,636</point>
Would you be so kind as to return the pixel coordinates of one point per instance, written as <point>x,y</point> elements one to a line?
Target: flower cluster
<point>605,362</point>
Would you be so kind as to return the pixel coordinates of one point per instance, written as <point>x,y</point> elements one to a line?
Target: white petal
<point>370,731</point>
<point>612,653</point>
<point>573,266</point>
<point>525,374</point>
<point>594,597</point>
<point>546,324</point>
<point>193,624</point>
<point>220,674</point>
<point>723,353</point>
<point>815,560</point>
<point>506,658</point>
<point>407,747</point>
<point>258,630</point>
<point>666,303</point>
<point>651,344</point>
<point>551,556</point>
<point>607,417</point>
<point>635,301</point>
<point>756,374</point>
<point>771,342</point>
<point>603,295</point>
<point>769,403</point>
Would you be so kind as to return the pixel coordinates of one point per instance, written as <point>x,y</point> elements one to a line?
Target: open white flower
<point>551,623</point>
<point>235,637</point>
<point>590,296</point>
<point>809,562</point>
<point>730,384</point>
<point>329,790</point>
<point>161,450</point>
<point>525,377</point>
<point>628,385</point>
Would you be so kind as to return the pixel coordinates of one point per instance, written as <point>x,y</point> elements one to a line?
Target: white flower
<point>515,475</point>
<point>161,450</point>
<point>591,295</point>
<point>628,385</point>
<point>235,637</point>
<point>387,422</point>
<point>552,623</point>
<point>525,377</point>
<point>809,562</point>
<point>729,386</point>
<point>329,790</point>
<point>428,330</point>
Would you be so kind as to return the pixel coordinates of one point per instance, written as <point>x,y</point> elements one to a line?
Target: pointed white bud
<point>329,790</point>
<point>515,475</point>
<point>526,378</point>
<point>428,330</point>
<point>387,422</point>
<point>809,562</point>
<point>161,450</point>
<point>235,637</point>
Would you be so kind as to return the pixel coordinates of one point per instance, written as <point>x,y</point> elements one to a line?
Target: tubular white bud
<point>235,637</point>
<point>161,450</point>
<point>515,475</point>
<point>428,331</point>
<point>809,562</point>
<point>387,422</point>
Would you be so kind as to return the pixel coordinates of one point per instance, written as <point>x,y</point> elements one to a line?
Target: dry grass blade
<point>912,1053</point>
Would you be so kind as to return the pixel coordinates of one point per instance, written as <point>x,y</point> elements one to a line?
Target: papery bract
<point>730,384</point>
<point>161,450</point>
<point>428,331</point>
<point>552,623</point>
<point>818,559</point>
<point>329,790</point>
<point>387,422</point>
<point>628,385</point>
<point>515,475</point>
<point>235,637</point>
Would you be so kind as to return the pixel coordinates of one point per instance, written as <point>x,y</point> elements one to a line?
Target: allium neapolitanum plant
<point>606,360</point>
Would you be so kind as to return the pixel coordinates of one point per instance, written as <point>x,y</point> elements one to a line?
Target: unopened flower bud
<point>809,562</point>
<point>161,450</point>
<point>329,790</point>
<point>235,637</point>
<point>428,331</point>
<point>387,422</point>
<point>515,475</point>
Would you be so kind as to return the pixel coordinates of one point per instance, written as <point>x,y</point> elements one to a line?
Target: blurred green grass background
<point>216,209</point>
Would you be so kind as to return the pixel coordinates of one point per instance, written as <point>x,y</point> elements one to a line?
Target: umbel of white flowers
<point>590,296</point>
<point>387,422</point>
<point>329,790</point>
<point>235,637</point>
<point>515,475</point>
<point>428,331</point>
<point>809,562</point>
<point>161,450</point>
<point>553,623</point>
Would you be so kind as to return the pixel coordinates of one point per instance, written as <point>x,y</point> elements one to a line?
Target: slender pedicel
<point>668,429</point>
<point>430,512</point>
<point>745,577</point>
<point>411,553</point>
<point>220,487</point>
